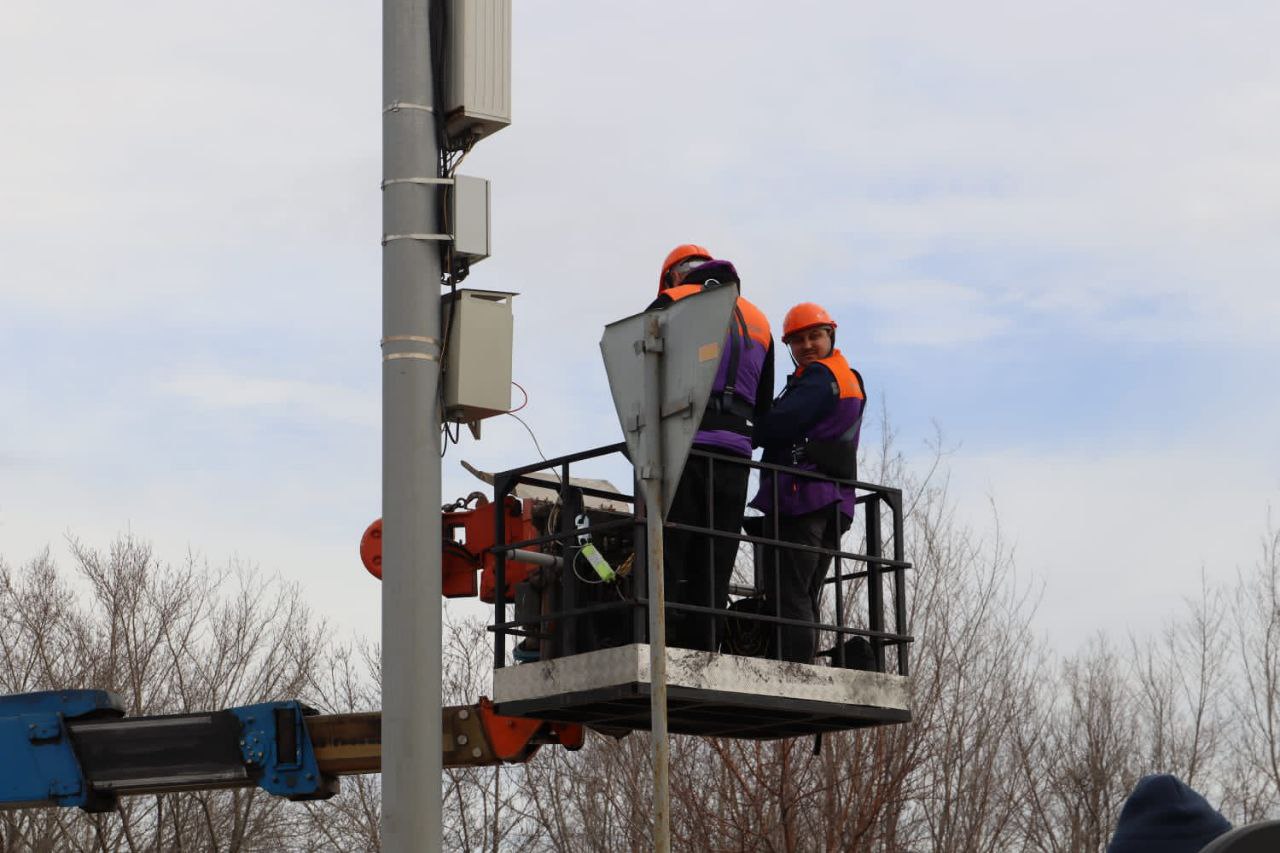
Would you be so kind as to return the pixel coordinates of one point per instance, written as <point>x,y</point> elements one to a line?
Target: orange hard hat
<point>683,252</point>
<point>806,315</point>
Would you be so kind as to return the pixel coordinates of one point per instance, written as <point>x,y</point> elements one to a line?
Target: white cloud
<point>930,312</point>
<point>214,173</point>
<point>1086,136</point>
<point>213,390</point>
<point>1119,537</point>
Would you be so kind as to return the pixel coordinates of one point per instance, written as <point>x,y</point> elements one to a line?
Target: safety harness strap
<point>735,416</point>
<point>727,409</point>
<point>837,457</point>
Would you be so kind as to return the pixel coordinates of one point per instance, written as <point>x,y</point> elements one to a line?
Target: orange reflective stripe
<point>845,377</point>
<point>681,291</point>
<point>757,322</point>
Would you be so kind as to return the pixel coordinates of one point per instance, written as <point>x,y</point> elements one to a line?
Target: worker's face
<point>809,345</point>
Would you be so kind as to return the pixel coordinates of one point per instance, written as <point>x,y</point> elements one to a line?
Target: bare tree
<point>1087,757</point>
<point>481,805</point>
<point>1010,748</point>
<point>945,782</point>
<point>1256,617</point>
<point>166,639</point>
<point>1178,679</point>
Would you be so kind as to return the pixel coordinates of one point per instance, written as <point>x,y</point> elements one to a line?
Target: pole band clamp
<point>421,339</point>
<point>414,339</point>
<point>426,181</point>
<point>391,238</point>
<point>397,106</point>
<point>418,355</point>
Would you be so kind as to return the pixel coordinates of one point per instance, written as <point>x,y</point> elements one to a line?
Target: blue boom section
<point>76,748</point>
<point>39,765</point>
<point>275,743</point>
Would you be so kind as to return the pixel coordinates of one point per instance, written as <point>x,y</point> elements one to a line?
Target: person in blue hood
<point>1163,815</point>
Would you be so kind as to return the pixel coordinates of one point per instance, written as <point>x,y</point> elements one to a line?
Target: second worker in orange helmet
<point>814,425</point>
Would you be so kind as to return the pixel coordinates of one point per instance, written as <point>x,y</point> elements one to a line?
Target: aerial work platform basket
<point>712,694</point>
<point>571,647</point>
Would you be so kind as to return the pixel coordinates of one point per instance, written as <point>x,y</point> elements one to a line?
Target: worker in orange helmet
<point>697,567</point>
<point>814,425</point>
<point>679,262</point>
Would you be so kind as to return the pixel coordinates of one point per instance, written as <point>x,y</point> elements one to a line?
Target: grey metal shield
<point>694,331</point>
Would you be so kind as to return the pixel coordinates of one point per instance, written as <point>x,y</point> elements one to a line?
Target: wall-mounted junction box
<point>469,217</point>
<point>479,78</point>
<point>477,380</point>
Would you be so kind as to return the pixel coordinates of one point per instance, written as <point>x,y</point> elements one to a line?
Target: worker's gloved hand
<point>720,272</point>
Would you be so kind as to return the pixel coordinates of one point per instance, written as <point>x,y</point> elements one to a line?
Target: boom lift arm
<point>77,748</point>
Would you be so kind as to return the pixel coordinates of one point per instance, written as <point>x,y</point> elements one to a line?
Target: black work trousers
<point>712,493</point>
<point>793,580</point>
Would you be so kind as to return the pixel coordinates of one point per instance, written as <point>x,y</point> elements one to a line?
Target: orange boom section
<point>468,537</point>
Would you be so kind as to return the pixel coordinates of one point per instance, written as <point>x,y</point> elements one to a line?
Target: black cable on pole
<point>452,270</point>
<point>438,28</point>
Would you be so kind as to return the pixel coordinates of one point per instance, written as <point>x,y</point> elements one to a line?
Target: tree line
<point>1013,747</point>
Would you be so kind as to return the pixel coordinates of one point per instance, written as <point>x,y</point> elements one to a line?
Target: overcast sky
<point>1050,228</point>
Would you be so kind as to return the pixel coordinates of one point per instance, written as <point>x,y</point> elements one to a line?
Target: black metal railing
<point>559,629</point>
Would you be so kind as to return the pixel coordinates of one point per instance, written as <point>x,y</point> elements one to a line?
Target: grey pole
<point>411,610</point>
<point>654,511</point>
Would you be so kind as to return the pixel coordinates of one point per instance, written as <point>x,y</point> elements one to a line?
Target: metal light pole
<point>654,511</point>
<point>661,367</point>
<point>411,610</point>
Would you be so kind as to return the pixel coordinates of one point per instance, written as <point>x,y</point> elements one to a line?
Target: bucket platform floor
<point>716,695</point>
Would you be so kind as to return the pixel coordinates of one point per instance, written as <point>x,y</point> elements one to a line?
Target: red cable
<point>526,398</point>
